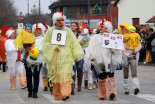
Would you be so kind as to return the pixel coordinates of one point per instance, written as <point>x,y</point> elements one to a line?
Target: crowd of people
<point>63,54</point>
<point>147,52</point>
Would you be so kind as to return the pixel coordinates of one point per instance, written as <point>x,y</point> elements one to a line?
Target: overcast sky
<point>21,5</point>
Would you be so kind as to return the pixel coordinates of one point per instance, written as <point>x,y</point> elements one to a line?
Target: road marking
<point>146,97</point>
<point>51,99</point>
<point>84,101</point>
<point>11,99</point>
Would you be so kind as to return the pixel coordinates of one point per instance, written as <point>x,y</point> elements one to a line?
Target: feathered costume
<point>60,64</point>
<point>105,63</point>
<point>15,66</point>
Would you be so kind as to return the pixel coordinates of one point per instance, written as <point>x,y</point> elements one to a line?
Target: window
<point>135,21</point>
<point>72,12</point>
<point>83,9</point>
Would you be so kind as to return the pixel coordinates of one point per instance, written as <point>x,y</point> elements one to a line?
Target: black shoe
<point>45,88</point>
<point>101,98</point>
<point>35,95</point>
<point>72,92</point>
<point>30,94</point>
<point>136,91</point>
<point>51,90</point>
<point>65,98</point>
<point>112,96</point>
<point>126,93</point>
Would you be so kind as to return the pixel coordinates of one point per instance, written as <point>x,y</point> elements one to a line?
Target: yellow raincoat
<point>60,66</point>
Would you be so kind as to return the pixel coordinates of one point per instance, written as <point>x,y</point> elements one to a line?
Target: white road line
<point>83,101</point>
<point>146,97</point>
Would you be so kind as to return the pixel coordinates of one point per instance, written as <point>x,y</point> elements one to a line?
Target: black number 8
<point>59,37</point>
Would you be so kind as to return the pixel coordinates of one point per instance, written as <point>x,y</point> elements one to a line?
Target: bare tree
<point>34,17</point>
<point>8,13</point>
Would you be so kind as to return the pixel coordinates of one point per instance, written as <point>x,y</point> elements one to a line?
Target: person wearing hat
<point>131,48</point>
<point>60,58</point>
<point>25,40</point>
<point>34,60</point>
<point>105,61</point>
<point>15,66</point>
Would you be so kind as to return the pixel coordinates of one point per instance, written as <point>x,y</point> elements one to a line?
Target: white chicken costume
<point>104,61</point>
<point>15,66</point>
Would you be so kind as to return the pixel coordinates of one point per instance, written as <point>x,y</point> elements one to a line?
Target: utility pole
<point>101,9</point>
<point>39,8</point>
<point>88,13</point>
<point>28,8</point>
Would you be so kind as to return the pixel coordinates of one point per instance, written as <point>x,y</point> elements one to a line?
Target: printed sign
<point>59,37</point>
<point>112,41</point>
<point>20,25</point>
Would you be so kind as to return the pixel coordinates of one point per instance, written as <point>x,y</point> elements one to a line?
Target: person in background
<point>78,66</point>
<point>150,38</point>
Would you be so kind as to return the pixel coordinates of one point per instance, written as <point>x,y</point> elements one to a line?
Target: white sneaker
<point>90,86</point>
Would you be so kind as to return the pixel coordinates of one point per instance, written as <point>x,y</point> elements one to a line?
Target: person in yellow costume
<point>132,39</point>
<point>130,54</point>
<point>25,40</point>
<point>60,58</point>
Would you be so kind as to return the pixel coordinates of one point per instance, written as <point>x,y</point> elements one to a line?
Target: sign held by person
<point>59,37</point>
<point>20,26</point>
<point>112,41</point>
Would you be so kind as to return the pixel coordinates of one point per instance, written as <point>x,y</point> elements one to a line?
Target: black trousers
<point>33,85</point>
<point>104,75</point>
<point>4,66</point>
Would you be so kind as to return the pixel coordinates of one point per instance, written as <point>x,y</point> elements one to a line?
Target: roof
<point>75,3</point>
<point>151,20</point>
<point>116,2</point>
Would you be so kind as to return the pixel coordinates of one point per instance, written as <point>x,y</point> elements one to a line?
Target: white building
<point>135,12</point>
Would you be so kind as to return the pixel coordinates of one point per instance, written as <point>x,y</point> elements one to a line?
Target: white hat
<point>39,25</point>
<point>57,15</point>
<point>9,33</point>
<point>85,31</point>
<point>107,24</point>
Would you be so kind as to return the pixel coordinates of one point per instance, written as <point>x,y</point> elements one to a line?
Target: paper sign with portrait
<point>112,41</point>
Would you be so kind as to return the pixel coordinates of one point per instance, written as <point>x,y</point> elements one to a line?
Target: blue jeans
<point>79,67</point>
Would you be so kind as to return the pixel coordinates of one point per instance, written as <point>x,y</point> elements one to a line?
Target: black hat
<point>151,29</point>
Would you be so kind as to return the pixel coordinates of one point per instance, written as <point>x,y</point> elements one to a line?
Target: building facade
<point>135,12</point>
<point>77,10</point>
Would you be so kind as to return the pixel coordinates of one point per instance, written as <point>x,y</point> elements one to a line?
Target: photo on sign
<point>106,42</point>
<point>20,25</point>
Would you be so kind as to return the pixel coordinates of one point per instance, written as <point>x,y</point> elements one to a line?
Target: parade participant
<point>3,38</point>
<point>38,41</point>
<point>130,58</point>
<point>60,58</point>
<point>34,62</point>
<point>78,66</point>
<point>25,40</point>
<point>105,60</point>
<point>15,66</point>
